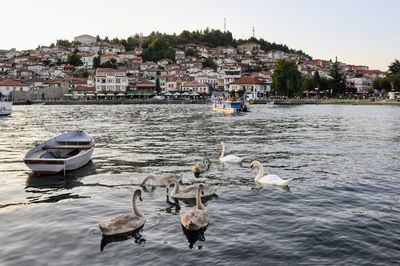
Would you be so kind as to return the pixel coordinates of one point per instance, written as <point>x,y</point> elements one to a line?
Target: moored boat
<point>5,108</point>
<point>65,152</point>
<point>230,107</point>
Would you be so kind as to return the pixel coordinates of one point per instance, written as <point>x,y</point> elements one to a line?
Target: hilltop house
<point>85,38</point>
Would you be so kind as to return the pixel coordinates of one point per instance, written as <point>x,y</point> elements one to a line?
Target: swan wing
<point>274,180</point>
<point>232,159</point>
<point>194,219</point>
<point>122,224</point>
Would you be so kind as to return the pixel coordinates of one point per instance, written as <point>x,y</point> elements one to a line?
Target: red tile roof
<point>144,82</point>
<point>10,82</point>
<point>247,80</point>
<point>104,70</point>
<point>194,84</point>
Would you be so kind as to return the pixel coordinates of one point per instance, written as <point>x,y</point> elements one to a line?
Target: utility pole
<point>224,24</point>
<point>254,33</point>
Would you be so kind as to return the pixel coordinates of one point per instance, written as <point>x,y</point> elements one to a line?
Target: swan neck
<point>135,210</point>
<point>260,171</point>
<point>176,188</point>
<point>150,177</point>
<point>223,150</point>
<point>199,204</point>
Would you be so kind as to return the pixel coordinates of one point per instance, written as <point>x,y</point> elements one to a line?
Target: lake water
<point>342,207</point>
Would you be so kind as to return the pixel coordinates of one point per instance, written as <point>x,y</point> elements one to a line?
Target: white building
<point>253,87</point>
<point>207,78</point>
<point>248,47</point>
<point>199,88</point>
<point>7,86</point>
<point>85,38</point>
<point>227,76</point>
<point>111,80</point>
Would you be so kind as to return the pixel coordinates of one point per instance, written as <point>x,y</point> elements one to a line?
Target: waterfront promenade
<point>207,101</point>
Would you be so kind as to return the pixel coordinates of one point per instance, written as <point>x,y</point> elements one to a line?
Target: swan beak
<point>251,168</point>
<point>140,198</point>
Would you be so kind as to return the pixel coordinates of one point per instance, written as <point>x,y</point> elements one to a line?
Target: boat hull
<point>36,160</point>
<point>5,108</point>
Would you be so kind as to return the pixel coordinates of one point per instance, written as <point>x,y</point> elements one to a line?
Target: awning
<point>168,94</point>
<point>121,94</point>
<point>80,95</point>
<point>110,94</point>
<point>68,95</point>
<point>185,94</point>
<point>101,94</point>
<point>90,94</point>
<point>134,93</point>
<point>177,94</point>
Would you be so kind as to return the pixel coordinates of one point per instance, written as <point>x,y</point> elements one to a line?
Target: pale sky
<point>363,32</point>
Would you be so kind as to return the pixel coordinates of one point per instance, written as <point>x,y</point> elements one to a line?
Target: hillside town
<point>95,69</point>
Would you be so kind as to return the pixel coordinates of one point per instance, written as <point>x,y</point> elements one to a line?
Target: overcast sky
<point>364,32</point>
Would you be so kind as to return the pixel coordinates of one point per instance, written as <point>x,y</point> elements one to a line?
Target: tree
<point>338,83</point>
<point>316,80</point>
<point>209,62</point>
<point>158,49</point>
<point>131,43</point>
<point>286,79</point>
<point>96,62</point>
<point>394,67</point>
<point>110,64</point>
<point>64,43</point>
<point>74,59</point>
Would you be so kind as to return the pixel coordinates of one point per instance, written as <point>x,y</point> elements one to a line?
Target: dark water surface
<point>342,207</point>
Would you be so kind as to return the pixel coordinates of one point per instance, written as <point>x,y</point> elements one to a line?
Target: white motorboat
<point>68,151</point>
<point>5,108</point>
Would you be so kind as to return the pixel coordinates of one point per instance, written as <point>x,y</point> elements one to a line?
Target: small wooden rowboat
<point>68,151</point>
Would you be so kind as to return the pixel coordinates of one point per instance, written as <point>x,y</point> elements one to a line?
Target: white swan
<point>198,168</point>
<point>125,223</point>
<point>163,180</point>
<point>229,158</point>
<point>197,218</point>
<point>268,179</point>
<point>189,192</point>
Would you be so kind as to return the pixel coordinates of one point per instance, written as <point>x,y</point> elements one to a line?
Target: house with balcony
<point>111,80</point>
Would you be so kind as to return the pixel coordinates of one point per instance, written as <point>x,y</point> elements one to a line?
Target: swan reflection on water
<point>122,237</point>
<point>194,236</point>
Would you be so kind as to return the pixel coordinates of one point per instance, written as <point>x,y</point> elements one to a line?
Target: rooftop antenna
<point>254,33</point>
<point>224,24</point>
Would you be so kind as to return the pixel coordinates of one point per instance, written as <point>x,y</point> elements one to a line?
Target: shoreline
<point>277,102</point>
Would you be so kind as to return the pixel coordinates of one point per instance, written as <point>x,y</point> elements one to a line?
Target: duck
<point>189,192</point>
<point>197,218</point>
<point>163,179</point>
<point>201,167</point>
<point>268,179</point>
<point>229,158</point>
<point>125,223</point>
